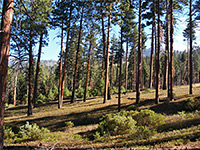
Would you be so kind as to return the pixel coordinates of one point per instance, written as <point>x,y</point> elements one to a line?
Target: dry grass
<point>85,116</point>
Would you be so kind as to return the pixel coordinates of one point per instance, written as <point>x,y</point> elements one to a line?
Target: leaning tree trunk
<point>77,56</point>
<point>88,68</point>
<point>6,21</point>
<point>191,68</point>
<point>106,90</point>
<point>37,70</point>
<point>60,70</point>
<point>30,81</point>
<point>158,59</point>
<point>139,66</point>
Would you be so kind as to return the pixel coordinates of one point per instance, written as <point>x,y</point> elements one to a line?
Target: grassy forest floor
<point>181,130</point>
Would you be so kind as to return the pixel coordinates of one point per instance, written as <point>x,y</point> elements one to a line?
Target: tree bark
<point>171,51</point>
<point>60,68</point>
<point>158,59</point>
<point>191,67</point>
<point>120,73</point>
<point>65,60</point>
<point>6,21</point>
<point>152,56</point>
<point>126,73</point>
<point>77,56</point>
<point>111,69</point>
<point>30,82</point>
<point>88,68</point>
<point>37,70</point>
<point>165,77</point>
<point>139,66</point>
<point>106,90</point>
<point>15,89</point>
<point>134,69</point>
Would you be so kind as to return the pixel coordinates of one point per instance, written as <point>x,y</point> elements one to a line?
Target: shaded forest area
<point>95,62</point>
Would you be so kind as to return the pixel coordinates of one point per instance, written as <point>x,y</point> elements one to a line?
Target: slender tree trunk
<point>65,61</point>
<point>37,70</point>
<point>139,66</point>
<point>6,21</point>
<point>107,60</point>
<point>77,56</point>
<point>30,82</point>
<point>60,68</point>
<point>171,51</point>
<point>158,58</point>
<point>104,42</point>
<point>15,89</point>
<point>152,56</point>
<point>90,79</point>
<point>126,73</point>
<point>165,77</point>
<point>88,68</point>
<point>191,68</point>
<point>111,69</point>
<point>120,73</point>
<point>134,69</point>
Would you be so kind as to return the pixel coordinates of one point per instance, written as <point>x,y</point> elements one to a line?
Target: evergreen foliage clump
<point>142,124</point>
<point>192,104</point>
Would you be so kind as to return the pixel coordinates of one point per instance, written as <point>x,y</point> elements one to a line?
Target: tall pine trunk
<point>60,68</point>
<point>120,73</point>
<point>111,69</point>
<point>134,69</point>
<point>77,56</point>
<point>191,67</point>
<point>152,56</point>
<point>106,89</point>
<point>158,59</point>
<point>37,70</point>
<point>6,21</point>
<point>88,68</point>
<point>139,66</point>
<point>65,60</point>
<point>30,79</point>
<point>165,77</point>
<point>171,51</point>
<point>15,89</point>
<point>126,73</point>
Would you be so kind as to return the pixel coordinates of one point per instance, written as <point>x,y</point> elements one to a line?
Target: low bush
<point>79,92</point>
<point>69,124</point>
<point>8,133</point>
<point>192,104</point>
<point>132,107</point>
<point>116,124</point>
<point>32,132</point>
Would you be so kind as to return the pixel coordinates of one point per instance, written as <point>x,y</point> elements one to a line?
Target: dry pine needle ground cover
<point>181,130</point>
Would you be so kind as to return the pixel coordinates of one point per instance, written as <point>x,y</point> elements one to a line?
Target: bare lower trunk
<point>15,89</point>
<point>6,21</point>
<point>37,70</point>
<point>60,68</point>
<point>107,61</point>
<point>139,66</point>
<point>126,73</point>
<point>77,56</point>
<point>88,67</point>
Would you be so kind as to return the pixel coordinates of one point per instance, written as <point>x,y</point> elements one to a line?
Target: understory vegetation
<point>92,124</point>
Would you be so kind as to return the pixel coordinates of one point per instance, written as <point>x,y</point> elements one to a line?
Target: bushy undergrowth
<point>27,132</point>
<point>142,124</point>
<point>192,104</point>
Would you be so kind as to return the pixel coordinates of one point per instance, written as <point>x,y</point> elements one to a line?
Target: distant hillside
<point>48,63</point>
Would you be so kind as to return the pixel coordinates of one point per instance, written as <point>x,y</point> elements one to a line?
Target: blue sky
<point>53,48</point>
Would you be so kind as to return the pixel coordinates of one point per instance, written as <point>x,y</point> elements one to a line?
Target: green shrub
<point>8,133</point>
<point>123,89</point>
<point>66,93</point>
<point>32,132</point>
<point>69,124</point>
<point>41,98</point>
<point>144,132</point>
<point>132,107</point>
<point>148,118</point>
<point>192,104</point>
<point>100,86</point>
<point>113,90</point>
<point>117,124</point>
<point>79,92</point>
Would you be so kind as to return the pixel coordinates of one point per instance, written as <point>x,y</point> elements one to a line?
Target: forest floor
<point>181,130</point>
